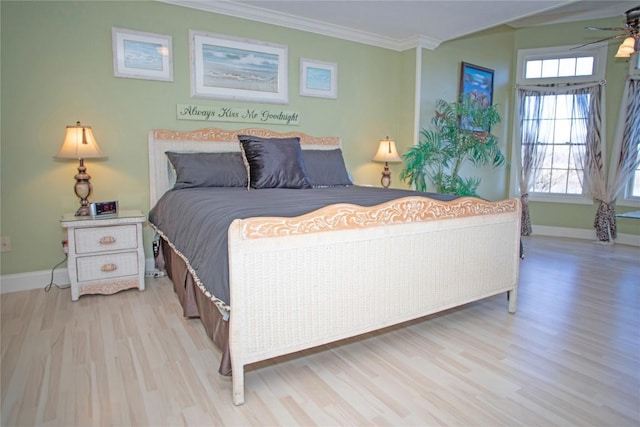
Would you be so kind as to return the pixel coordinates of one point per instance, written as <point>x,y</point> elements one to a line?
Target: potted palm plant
<point>461,133</point>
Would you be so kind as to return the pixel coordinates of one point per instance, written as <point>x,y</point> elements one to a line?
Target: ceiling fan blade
<point>601,40</point>
<point>606,28</point>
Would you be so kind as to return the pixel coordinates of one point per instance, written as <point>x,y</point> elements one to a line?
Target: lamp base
<point>386,176</point>
<point>83,211</point>
<point>83,189</point>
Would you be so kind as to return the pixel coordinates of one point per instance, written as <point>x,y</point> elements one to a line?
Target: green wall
<point>440,80</point>
<point>57,68</point>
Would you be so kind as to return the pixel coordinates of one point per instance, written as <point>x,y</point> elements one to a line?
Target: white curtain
<point>533,150</point>
<point>587,101</point>
<point>625,157</point>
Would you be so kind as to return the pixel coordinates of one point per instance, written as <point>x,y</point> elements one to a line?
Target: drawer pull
<point>107,240</point>
<point>109,267</point>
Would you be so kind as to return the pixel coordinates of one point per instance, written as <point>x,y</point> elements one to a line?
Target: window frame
<point>634,64</point>
<point>627,199</point>
<point>597,50</point>
<point>599,53</point>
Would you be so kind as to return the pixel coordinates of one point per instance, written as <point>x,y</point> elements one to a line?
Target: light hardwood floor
<point>569,356</point>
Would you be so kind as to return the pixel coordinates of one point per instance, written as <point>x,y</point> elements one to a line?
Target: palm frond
<point>447,145</point>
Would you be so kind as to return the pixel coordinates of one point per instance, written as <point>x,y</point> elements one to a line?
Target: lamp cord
<point>48,287</point>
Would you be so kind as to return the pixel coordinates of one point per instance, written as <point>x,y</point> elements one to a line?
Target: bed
<point>320,262</point>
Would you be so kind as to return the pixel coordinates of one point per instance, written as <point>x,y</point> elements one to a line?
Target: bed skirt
<point>196,304</point>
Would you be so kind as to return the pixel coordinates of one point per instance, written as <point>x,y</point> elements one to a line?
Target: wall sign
<point>234,114</point>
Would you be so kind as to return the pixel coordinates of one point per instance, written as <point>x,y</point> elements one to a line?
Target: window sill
<point>632,203</point>
<point>560,198</point>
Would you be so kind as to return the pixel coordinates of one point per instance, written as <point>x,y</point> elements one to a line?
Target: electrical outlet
<point>5,243</point>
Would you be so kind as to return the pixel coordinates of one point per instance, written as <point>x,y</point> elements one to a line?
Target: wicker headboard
<point>161,173</point>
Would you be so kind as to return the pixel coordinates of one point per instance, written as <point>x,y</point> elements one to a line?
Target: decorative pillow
<point>325,168</point>
<point>208,170</point>
<point>274,162</point>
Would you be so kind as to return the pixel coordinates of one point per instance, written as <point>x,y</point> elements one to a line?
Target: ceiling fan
<point>630,32</point>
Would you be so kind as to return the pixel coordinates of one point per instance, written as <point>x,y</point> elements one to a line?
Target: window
<point>562,65</point>
<point>559,67</point>
<point>562,142</point>
<point>633,188</point>
<point>635,64</point>
<point>553,125</point>
<point>632,192</point>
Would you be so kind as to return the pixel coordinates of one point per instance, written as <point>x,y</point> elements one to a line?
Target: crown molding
<point>253,13</point>
<point>419,41</point>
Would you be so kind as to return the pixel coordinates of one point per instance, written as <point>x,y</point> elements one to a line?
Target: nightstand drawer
<point>107,266</point>
<point>100,239</point>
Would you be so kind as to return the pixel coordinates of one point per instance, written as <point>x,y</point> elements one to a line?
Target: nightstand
<point>106,255</point>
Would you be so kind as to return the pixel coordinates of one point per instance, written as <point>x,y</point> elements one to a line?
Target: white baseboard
<point>40,279</point>
<point>581,233</point>
<point>32,280</point>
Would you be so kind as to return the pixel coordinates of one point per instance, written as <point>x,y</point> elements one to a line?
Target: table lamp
<point>80,144</point>
<point>387,153</point>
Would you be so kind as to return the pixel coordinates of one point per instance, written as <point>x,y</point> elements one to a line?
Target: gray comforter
<point>195,221</point>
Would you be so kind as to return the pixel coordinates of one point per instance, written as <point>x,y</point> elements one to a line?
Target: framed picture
<point>476,82</point>
<point>319,79</point>
<point>139,55</point>
<point>238,69</point>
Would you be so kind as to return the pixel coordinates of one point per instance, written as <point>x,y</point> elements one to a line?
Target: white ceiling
<point>404,24</point>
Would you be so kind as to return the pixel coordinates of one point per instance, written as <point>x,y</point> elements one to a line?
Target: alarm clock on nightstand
<point>100,209</point>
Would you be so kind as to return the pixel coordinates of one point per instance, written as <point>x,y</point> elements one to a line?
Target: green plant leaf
<point>446,147</point>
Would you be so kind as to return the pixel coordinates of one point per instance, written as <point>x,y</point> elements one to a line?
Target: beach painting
<point>239,69</point>
<point>318,78</point>
<point>230,68</point>
<point>141,55</point>
<point>146,56</point>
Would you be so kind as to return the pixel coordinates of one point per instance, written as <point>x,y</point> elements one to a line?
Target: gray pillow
<point>326,168</point>
<point>208,170</point>
<point>274,162</point>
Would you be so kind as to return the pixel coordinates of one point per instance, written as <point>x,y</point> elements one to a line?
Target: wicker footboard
<point>345,270</point>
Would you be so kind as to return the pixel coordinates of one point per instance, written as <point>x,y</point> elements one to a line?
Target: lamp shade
<point>387,152</point>
<point>79,143</point>
<point>627,47</point>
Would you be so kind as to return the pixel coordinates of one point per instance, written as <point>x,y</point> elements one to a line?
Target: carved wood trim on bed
<point>348,217</point>
<point>215,134</point>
